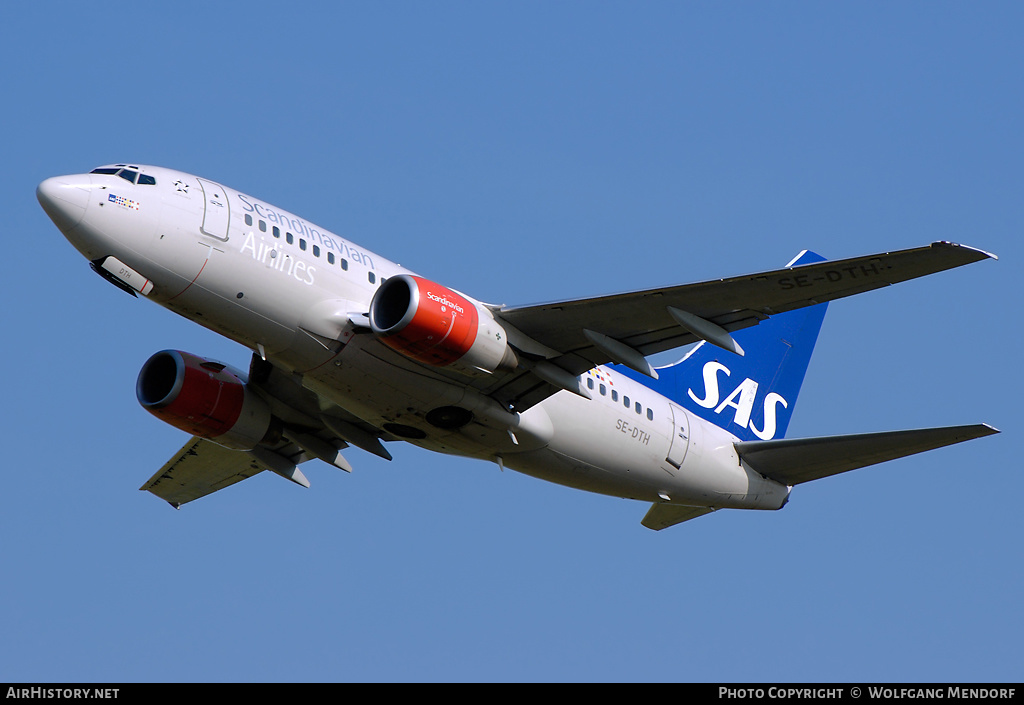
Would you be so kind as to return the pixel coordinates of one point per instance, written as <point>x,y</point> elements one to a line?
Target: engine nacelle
<point>203,398</point>
<point>431,323</point>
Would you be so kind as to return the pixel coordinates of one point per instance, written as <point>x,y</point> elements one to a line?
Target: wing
<point>198,469</point>
<point>576,335</point>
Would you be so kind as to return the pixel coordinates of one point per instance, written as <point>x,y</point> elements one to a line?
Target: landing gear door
<point>680,440</point>
<point>216,210</point>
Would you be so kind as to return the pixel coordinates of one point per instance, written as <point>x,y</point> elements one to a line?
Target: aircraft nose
<point>64,198</point>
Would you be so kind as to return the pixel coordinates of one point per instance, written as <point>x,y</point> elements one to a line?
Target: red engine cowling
<point>203,398</point>
<point>431,323</point>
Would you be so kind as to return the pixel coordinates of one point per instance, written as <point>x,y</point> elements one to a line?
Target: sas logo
<point>741,400</point>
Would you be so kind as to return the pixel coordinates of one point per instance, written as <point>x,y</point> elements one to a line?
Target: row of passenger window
<point>637,406</point>
<point>290,239</point>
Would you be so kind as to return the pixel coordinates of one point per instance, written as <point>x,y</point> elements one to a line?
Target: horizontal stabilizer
<point>661,516</point>
<point>796,460</point>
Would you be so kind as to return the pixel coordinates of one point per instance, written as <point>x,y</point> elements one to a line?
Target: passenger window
<point>316,250</point>
<point>625,402</point>
<point>604,390</point>
<point>330,257</point>
<point>344,264</point>
<point>650,415</point>
<point>276,230</point>
<point>371,276</point>
<point>290,238</point>
<point>302,244</point>
<point>248,219</point>
<point>590,383</point>
<point>263,226</point>
<point>639,408</point>
<point>615,395</point>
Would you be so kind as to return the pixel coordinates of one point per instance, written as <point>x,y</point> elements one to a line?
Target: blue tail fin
<point>752,396</point>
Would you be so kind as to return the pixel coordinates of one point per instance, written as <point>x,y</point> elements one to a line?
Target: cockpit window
<point>126,174</point>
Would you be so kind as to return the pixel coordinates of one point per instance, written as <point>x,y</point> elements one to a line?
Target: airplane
<point>350,349</point>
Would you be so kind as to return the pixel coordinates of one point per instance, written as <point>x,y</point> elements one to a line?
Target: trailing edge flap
<point>796,460</point>
<point>661,516</point>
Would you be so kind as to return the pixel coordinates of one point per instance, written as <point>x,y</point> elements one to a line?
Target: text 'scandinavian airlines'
<point>350,349</point>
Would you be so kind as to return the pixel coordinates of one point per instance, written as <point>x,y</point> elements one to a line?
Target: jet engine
<point>204,398</point>
<point>432,324</point>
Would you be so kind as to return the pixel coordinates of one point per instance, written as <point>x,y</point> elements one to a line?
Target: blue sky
<point>525,152</point>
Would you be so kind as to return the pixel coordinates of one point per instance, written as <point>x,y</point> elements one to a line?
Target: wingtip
<point>983,254</point>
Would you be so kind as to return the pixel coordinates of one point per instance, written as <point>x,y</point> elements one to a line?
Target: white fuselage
<point>287,289</point>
